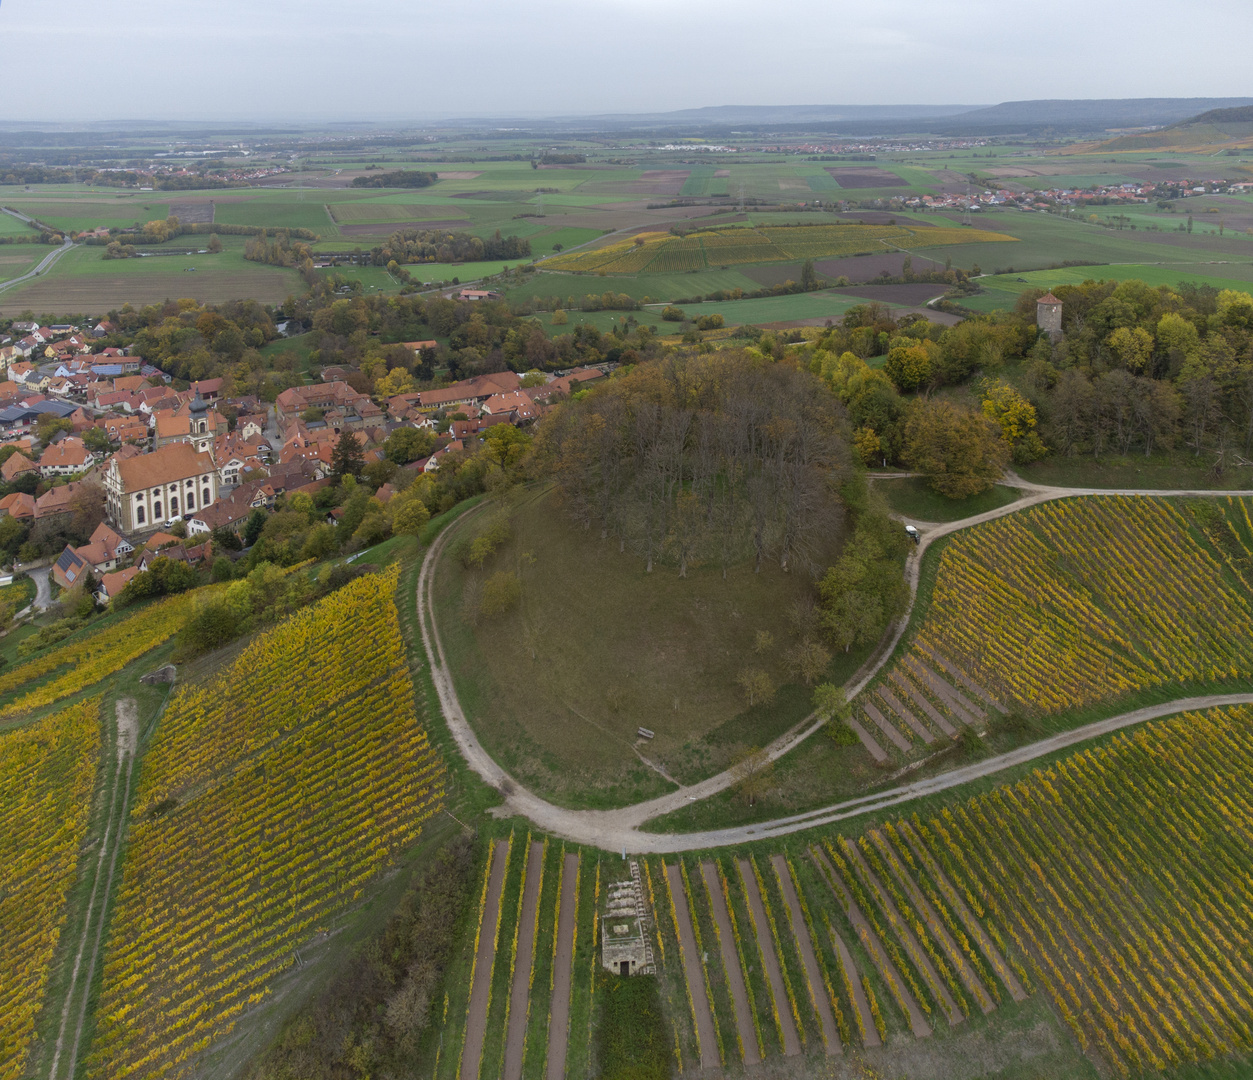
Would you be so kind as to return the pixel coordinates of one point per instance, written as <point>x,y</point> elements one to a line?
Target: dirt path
<point>873,946</point>
<point>813,974</point>
<point>559,1010</point>
<point>870,1033</point>
<point>519,997</point>
<point>484,960</point>
<point>127,714</point>
<point>619,829</point>
<point>731,964</point>
<point>905,935</point>
<point>693,971</point>
<point>973,927</point>
<point>769,961</point>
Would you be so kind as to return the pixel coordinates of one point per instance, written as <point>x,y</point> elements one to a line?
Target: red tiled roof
<point>177,461</point>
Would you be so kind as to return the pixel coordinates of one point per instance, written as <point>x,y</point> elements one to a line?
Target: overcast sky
<point>70,60</point>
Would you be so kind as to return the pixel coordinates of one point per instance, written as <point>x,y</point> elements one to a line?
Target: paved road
<point>43,587</point>
<point>43,590</point>
<point>619,829</point>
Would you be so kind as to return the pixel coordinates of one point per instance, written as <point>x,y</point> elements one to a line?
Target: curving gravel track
<point>619,829</point>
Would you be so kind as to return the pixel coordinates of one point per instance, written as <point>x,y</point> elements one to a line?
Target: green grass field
<point>17,259</point>
<point>372,278</point>
<point>912,497</point>
<point>12,226</point>
<point>655,286</point>
<point>820,306</point>
<point>81,209</point>
<point>604,321</point>
<point>288,212</point>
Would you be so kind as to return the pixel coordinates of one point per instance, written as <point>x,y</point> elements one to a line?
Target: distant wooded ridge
<point>1064,115</point>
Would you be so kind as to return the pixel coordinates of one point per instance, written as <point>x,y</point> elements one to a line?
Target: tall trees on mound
<point>699,459</point>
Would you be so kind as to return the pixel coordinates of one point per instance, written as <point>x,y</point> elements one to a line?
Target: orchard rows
<point>267,801</point>
<point>1081,600</point>
<point>47,772</point>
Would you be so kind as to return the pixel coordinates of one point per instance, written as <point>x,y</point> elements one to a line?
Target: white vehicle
<point>912,533</point>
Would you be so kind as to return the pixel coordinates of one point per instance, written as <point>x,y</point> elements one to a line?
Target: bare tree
<point>754,774</point>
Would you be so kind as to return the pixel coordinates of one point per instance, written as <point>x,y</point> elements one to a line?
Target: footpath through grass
<point>912,497</point>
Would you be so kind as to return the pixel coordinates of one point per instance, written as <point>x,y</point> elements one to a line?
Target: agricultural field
<point>525,1005</point>
<point>663,253</point>
<point>646,287</point>
<point>809,954</point>
<point>812,308</point>
<point>47,774</point>
<point>269,798</point>
<point>1065,607</point>
<point>1134,927</point>
<point>1002,291</point>
<point>14,226</point>
<point>85,209</point>
<point>84,281</point>
<point>955,922</point>
<point>18,259</point>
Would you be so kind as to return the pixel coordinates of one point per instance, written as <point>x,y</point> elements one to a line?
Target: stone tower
<point>1048,315</point>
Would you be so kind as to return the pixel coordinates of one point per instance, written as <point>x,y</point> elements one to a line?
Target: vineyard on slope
<point>1082,600</point>
<point>662,253</point>
<point>88,660</point>
<point>269,798</point>
<point>47,771</point>
<point>1138,925</point>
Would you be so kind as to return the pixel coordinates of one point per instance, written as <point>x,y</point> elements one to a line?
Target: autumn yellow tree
<point>1015,416</point>
<point>868,445</point>
<point>1132,346</point>
<point>960,451</point>
<point>910,367</point>
<point>396,381</point>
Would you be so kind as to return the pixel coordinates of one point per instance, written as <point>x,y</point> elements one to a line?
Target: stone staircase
<point>645,917</point>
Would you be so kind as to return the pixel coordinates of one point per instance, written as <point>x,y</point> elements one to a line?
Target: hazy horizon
<point>317,62</point>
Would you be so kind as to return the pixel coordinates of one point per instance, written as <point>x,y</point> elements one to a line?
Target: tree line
<point>400,178</point>
<point>427,246</point>
<point>162,230</point>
